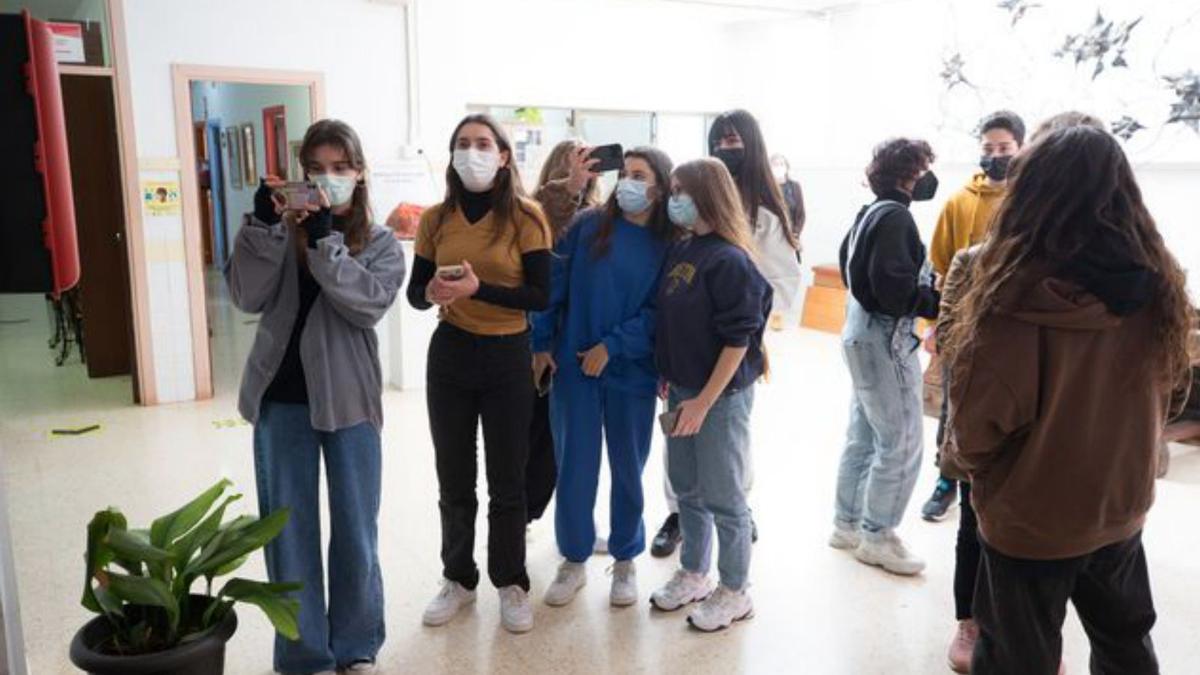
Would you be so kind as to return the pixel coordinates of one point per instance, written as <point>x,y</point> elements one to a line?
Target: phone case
<point>668,420</point>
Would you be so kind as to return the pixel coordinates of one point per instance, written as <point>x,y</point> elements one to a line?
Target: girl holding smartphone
<point>321,278</point>
<point>479,359</point>
<point>713,306</point>
<point>597,338</point>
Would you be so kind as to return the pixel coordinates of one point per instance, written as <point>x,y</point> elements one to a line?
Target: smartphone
<point>544,382</point>
<point>668,421</point>
<point>451,272</point>
<point>298,195</point>
<point>612,157</point>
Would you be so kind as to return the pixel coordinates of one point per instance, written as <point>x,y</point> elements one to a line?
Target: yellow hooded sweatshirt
<point>964,221</point>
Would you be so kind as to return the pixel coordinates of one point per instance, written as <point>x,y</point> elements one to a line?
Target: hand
<point>453,289</point>
<point>269,204</point>
<point>664,389</point>
<point>580,170</point>
<point>542,361</point>
<point>317,220</point>
<point>594,360</point>
<point>436,293</point>
<point>691,417</point>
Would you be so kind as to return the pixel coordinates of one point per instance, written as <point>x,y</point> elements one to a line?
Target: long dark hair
<point>1072,195</point>
<point>660,223</point>
<point>356,227</point>
<point>754,181</point>
<point>508,195</point>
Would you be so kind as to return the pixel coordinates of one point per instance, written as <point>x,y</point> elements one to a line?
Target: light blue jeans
<point>882,456</point>
<point>708,472</point>
<point>287,457</point>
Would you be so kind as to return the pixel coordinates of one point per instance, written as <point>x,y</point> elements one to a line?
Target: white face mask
<point>477,168</point>
<point>779,172</point>
<point>339,189</point>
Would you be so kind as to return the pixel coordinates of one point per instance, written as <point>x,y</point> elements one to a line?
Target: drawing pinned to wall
<point>1104,42</point>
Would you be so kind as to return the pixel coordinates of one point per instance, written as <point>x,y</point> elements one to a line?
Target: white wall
<point>237,104</point>
<point>358,45</point>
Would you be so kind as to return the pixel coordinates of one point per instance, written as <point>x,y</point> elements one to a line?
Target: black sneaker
<point>940,502</point>
<point>668,537</point>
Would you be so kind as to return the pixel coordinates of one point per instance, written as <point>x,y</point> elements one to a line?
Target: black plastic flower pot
<point>205,656</point>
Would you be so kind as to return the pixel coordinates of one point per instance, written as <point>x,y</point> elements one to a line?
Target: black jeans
<point>966,553</point>
<point>1021,604</point>
<point>472,378</point>
<point>541,474</point>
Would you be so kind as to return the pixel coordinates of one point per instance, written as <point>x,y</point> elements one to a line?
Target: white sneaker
<point>683,589</point>
<point>600,547</point>
<point>570,578</point>
<point>721,609</point>
<point>362,667</point>
<point>515,612</point>
<point>889,552</point>
<point>624,584</point>
<point>845,539</point>
<point>446,603</point>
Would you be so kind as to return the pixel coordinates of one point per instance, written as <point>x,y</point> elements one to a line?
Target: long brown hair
<point>710,186</point>
<point>660,223</point>
<point>1071,195</point>
<point>508,195</point>
<point>755,182</point>
<point>558,166</point>
<point>356,227</point>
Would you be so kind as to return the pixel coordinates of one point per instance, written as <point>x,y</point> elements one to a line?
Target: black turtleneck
<point>884,271</point>
<point>475,205</point>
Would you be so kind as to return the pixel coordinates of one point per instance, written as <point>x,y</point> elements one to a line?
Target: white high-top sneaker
<point>885,550</point>
<point>447,602</point>
<point>516,614</point>
<point>721,609</point>
<point>624,584</point>
<point>683,589</point>
<point>571,577</point>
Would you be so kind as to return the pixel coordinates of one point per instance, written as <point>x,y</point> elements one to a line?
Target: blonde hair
<point>717,200</point>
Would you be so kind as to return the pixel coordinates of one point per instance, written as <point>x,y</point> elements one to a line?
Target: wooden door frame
<point>270,139</point>
<point>182,75</point>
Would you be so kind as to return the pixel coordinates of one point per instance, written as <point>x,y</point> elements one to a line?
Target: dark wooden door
<point>100,221</point>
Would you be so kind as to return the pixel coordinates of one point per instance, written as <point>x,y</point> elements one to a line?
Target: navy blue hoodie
<point>712,296</point>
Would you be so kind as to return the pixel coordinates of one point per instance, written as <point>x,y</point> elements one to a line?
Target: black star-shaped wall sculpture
<point>1103,43</point>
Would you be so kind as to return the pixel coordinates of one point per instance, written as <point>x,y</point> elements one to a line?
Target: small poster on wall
<point>400,190</point>
<point>161,198</point>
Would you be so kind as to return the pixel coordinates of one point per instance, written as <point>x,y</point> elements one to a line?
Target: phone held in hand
<point>612,157</point>
<point>451,272</point>
<point>545,382</point>
<point>299,195</point>
<point>669,420</point>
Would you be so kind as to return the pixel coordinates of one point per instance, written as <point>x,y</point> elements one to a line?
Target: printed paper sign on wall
<point>161,198</point>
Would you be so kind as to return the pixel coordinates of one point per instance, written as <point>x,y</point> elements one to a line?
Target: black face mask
<point>925,187</point>
<point>732,158</point>
<point>996,168</point>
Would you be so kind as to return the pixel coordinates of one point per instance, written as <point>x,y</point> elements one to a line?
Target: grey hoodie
<point>338,346</point>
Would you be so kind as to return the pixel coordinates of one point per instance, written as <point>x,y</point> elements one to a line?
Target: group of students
<point>564,317</point>
<point>1061,334</point>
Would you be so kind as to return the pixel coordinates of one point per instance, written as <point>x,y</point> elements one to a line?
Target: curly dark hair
<point>897,160</point>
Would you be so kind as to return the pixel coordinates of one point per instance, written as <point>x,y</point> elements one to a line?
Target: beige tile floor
<point>818,611</point>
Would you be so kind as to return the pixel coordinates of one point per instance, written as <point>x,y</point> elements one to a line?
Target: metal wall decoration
<point>1104,42</point>
<point>1018,8</point>
<point>1186,108</point>
<point>233,167</point>
<point>249,156</point>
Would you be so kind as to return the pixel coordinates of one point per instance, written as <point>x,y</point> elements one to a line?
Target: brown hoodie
<point>1057,416</point>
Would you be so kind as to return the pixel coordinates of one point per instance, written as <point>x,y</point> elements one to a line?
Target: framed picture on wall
<point>233,144</point>
<point>249,157</point>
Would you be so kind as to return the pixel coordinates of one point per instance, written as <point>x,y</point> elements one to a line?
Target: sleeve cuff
<point>613,345</point>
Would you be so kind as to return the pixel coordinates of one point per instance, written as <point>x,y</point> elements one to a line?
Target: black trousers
<point>966,555</point>
<point>472,378</point>
<point>541,474</point>
<point>1021,604</point>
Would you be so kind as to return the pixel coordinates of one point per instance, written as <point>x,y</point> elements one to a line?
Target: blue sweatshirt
<point>609,299</point>
<point>712,297</point>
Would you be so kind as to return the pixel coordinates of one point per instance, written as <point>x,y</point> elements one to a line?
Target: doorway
<point>237,127</point>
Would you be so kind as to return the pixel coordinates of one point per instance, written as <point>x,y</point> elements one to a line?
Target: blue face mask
<point>631,195</point>
<point>339,189</point>
<point>682,211</point>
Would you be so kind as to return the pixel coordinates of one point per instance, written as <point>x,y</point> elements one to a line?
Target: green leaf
<point>146,591</point>
<point>174,525</point>
<point>130,546</point>
<point>239,542</point>
<point>231,567</point>
<point>99,555</point>
<point>283,612</point>
<point>185,547</point>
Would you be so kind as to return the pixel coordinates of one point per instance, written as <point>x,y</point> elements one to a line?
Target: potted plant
<point>140,582</point>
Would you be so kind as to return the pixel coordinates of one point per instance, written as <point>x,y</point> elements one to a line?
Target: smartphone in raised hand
<point>612,157</point>
<point>298,196</point>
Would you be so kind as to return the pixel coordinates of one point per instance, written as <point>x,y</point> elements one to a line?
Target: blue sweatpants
<point>584,411</point>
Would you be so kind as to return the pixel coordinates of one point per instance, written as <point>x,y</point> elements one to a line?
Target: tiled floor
<point>817,610</point>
